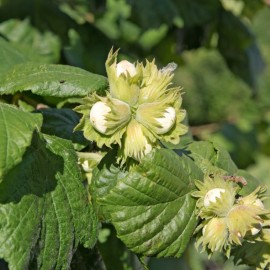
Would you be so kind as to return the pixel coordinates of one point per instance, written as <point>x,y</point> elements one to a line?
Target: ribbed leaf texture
<point>51,80</point>
<point>211,159</point>
<point>44,207</point>
<point>150,206</point>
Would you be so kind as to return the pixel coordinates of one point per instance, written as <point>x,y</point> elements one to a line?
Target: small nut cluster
<point>139,110</point>
<point>227,218</point>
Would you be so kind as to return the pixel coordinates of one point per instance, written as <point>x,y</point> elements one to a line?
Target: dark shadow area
<point>85,259</point>
<point>114,252</point>
<point>35,174</point>
<point>3,265</point>
<point>183,151</point>
<point>105,175</point>
<point>61,123</point>
<point>109,159</point>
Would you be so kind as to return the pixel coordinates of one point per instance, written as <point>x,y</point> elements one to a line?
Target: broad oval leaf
<point>150,206</point>
<point>44,208</point>
<point>212,159</point>
<point>16,131</point>
<point>52,80</point>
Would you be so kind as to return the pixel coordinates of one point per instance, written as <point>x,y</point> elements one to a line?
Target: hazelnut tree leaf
<point>150,206</point>
<point>211,158</point>
<point>51,80</point>
<point>16,131</point>
<point>44,208</point>
<point>153,14</point>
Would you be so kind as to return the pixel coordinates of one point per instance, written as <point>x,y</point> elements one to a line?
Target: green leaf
<point>61,122</point>
<point>52,80</point>
<point>238,46</point>
<point>150,206</point>
<point>197,12</point>
<point>45,46</point>
<point>255,253</point>
<point>252,181</point>
<point>152,14</point>
<point>44,208</point>
<point>211,158</point>
<point>16,131</point>
<point>9,56</point>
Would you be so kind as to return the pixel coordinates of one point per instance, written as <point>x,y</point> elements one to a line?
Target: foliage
<point>65,197</point>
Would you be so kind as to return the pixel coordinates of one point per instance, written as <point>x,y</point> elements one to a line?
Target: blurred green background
<point>222,49</point>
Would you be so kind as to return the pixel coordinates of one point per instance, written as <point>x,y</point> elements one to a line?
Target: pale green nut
<point>256,229</point>
<point>259,203</point>
<point>98,116</point>
<point>242,219</point>
<point>216,197</point>
<point>157,117</point>
<point>212,195</point>
<point>215,234</point>
<point>123,79</point>
<point>109,115</point>
<point>166,121</point>
<point>125,67</point>
<point>246,216</point>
